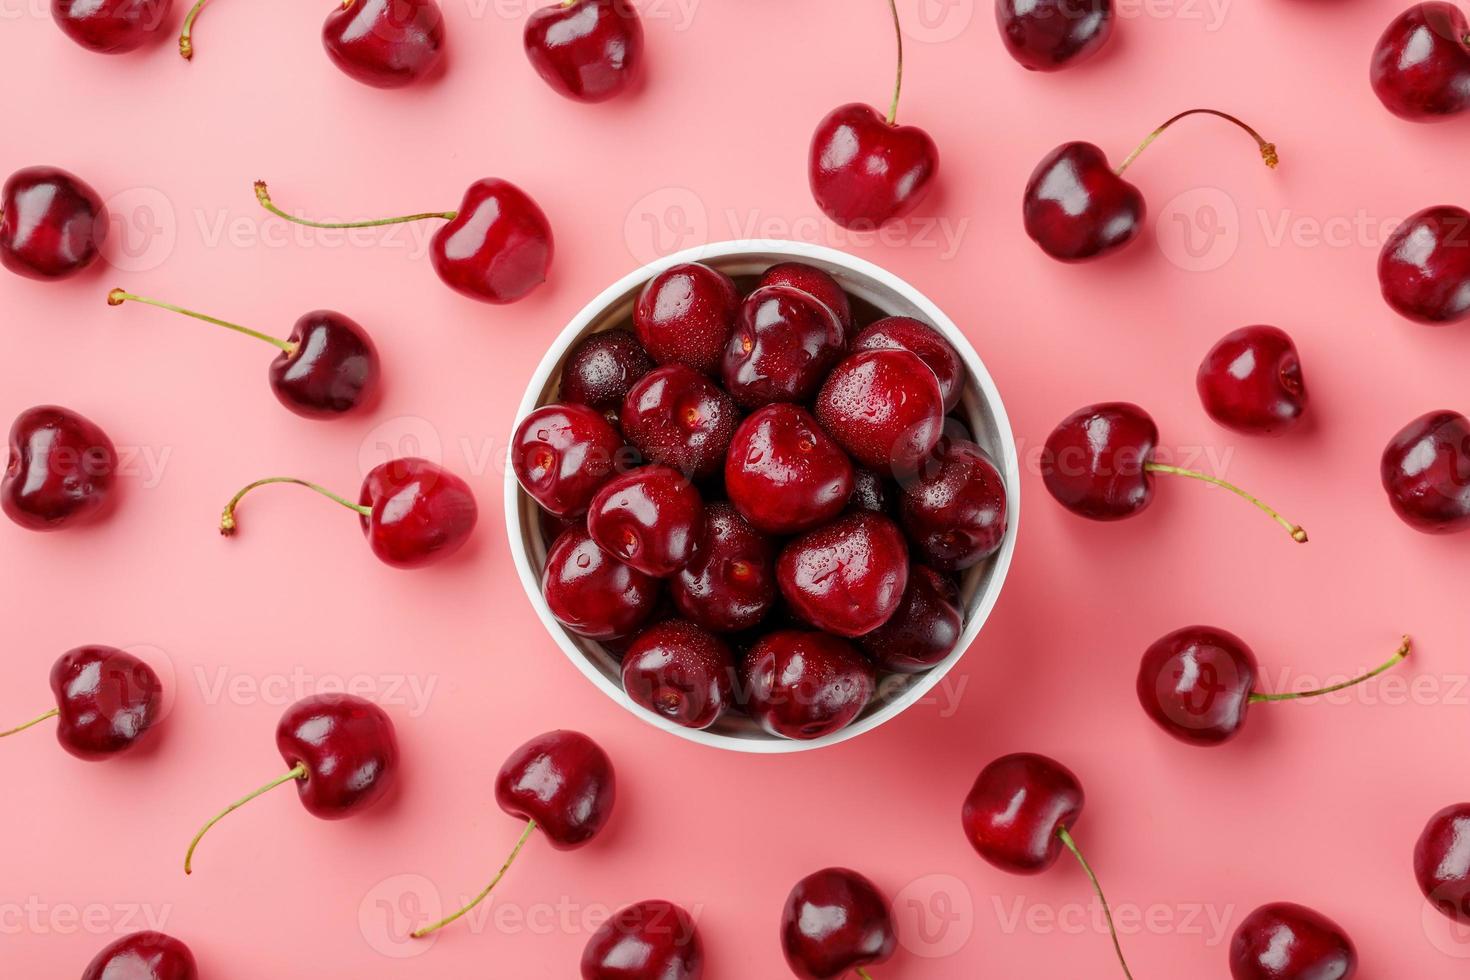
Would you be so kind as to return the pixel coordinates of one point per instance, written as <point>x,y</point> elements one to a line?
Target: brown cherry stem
<point>1071,845</point>
<point>515,851</point>
<point>186,40</point>
<point>34,721</point>
<point>263,195</point>
<point>1297,533</point>
<point>297,772</point>
<point>227,519</point>
<point>117,297</point>
<point>1399,656</point>
<point>898,79</point>
<point>863,974</point>
<point>1268,149</point>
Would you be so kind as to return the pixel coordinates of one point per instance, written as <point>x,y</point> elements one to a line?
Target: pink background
<point>1318,802</point>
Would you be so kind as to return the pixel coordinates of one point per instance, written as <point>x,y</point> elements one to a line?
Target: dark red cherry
<point>784,473</point>
<point>51,223</point>
<point>730,583</point>
<point>955,510</point>
<point>650,518</point>
<point>588,50</point>
<point>835,921</point>
<point>563,454</point>
<point>846,577</point>
<point>680,672</point>
<point>106,700</point>
<point>924,629</point>
<point>1286,941</point>
<point>1421,64</point>
<point>1442,862</point>
<point>1048,35</point>
<point>813,281</point>
<point>593,594</point>
<point>678,417</point>
<point>785,342</point>
<point>1426,472</point>
<point>866,171</point>
<point>871,492</point>
<point>884,407</point>
<point>143,956</point>
<point>600,370</point>
<point>652,940</point>
<point>1016,811</point>
<point>60,471</point>
<point>1251,381</point>
<point>1196,684</point>
<point>1424,268</point>
<point>111,26</point>
<point>803,684</point>
<point>917,337</point>
<point>385,43</point>
<point>685,315</point>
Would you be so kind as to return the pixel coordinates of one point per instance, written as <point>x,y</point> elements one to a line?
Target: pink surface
<point>1318,802</point>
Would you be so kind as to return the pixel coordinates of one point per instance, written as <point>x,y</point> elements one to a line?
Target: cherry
<point>51,223</point>
<point>563,454</point>
<point>1020,814</point>
<point>1285,941</point>
<point>560,783</point>
<point>649,519</point>
<point>1442,862</point>
<point>1424,268</point>
<point>835,921</point>
<point>1050,35</point>
<point>679,672</point>
<point>343,756</point>
<point>1197,683</point>
<point>784,474</point>
<point>593,594</point>
<point>1251,381</point>
<point>60,472</point>
<point>413,512</point>
<point>730,583</point>
<point>111,26</point>
<point>917,337</point>
<point>327,367</point>
<point>803,684</point>
<point>651,940</point>
<point>884,407</point>
<point>1426,471</point>
<point>846,577</point>
<point>813,281</point>
<point>496,248</point>
<point>870,492</point>
<point>785,342</point>
<point>1421,64</point>
<point>106,698</point>
<point>955,510</point>
<point>678,417</point>
<point>588,50</point>
<point>600,370</point>
<point>1098,463</point>
<point>866,170</point>
<point>924,629</point>
<point>143,956</point>
<point>685,314</point>
<point>1077,208</point>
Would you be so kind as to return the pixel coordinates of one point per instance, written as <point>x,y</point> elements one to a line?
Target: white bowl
<point>981,408</point>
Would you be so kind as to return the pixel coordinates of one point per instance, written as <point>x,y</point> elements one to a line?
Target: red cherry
<point>730,583</point>
<point>923,631</point>
<point>563,454</point>
<point>652,940</point>
<point>678,417</point>
<point>1285,941</point>
<point>1424,268</point>
<point>106,700</point>
<point>836,920</point>
<point>785,342</point>
<point>143,956</point>
<point>51,223</point>
<point>917,337</point>
<point>804,684</point>
<point>593,594</point>
<point>600,370</point>
<point>679,672</point>
<point>871,492</point>
<point>884,407</point>
<point>60,471</point>
<point>588,50</point>
<point>866,171</point>
<point>650,519</point>
<point>111,26</point>
<point>1421,65</point>
<point>1441,864</point>
<point>813,281</point>
<point>1426,473</point>
<point>385,43</point>
<point>684,315</point>
<point>1251,381</point>
<point>1049,35</point>
<point>784,474</point>
<point>846,577</point>
<point>955,510</point>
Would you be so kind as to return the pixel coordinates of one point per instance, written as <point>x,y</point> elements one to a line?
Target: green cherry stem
<point>186,40</point>
<point>1268,149</point>
<point>525,836</point>
<point>1071,845</point>
<point>34,721</point>
<point>1399,656</point>
<point>227,519</point>
<point>263,195</point>
<point>118,297</point>
<point>898,80</point>
<point>863,974</point>
<point>1295,530</point>
<point>297,772</point>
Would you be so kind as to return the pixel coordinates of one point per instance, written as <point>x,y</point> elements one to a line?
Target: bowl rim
<point>920,684</point>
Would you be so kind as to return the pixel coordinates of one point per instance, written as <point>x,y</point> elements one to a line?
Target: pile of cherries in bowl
<point>760,498</point>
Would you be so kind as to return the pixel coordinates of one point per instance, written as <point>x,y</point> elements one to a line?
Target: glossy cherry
<point>1421,65</point>
<point>680,672</point>
<point>650,519</point>
<point>835,921</point>
<point>1424,268</point>
<point>924,629</point>
<point>917,337</point>
<point>52,223</point>
<point>1099,464</point>
<point>60,472</point>
<point>143,956</point>
<point>496,248</point>
<point>111,26</point>
<point>1076,207</point>
<point>413,512</point>
<point>1286,941</point>
<point>1048,35</point>
<point>813,281</point>
<point>106,700</point>
<point>1442,862</point>
<point>593,594</point>
<point>563,454</point>
<point>1426,472</point>
<point>785,342</point>
<point>685,315</point>
<point>343,758</point>
<point>1251,381</point>
<point>385,43</point>
<point>327,367</point>
<point>562,784</point>
<point>871,492</point>
<point>884,407</point>
<point>730,583</point>
<point>784,474</point>
<point>678,417</point>
<point>846,577</point>
<point>651,940</point>
<point>601,369</point>
<point>588,50</point>
<point>955,510</point>
<point>803,684</point>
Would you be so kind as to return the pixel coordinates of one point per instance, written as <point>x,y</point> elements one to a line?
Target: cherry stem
<point>263,195</point>
<point>1295,530</point>
<point>1268,149</point>
<point>117,297</point>
<point>34,721</point>
<point>297,772</point>
<point>186,41</point>
<point>863,974</point>
<point>525,836</point>
<point>898,80</point>
<point>1399,656</point>
<point>1071,845</point>
<point>227,519</point>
